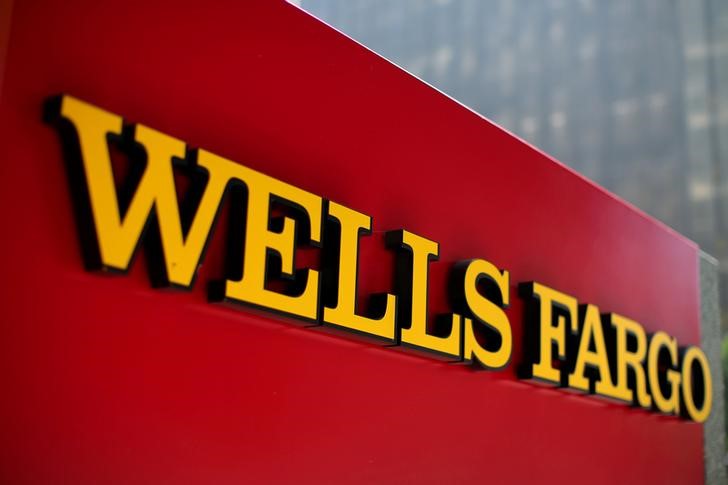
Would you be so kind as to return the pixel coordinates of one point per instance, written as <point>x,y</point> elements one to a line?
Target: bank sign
<point>240,247</point>
<point>567,343</point>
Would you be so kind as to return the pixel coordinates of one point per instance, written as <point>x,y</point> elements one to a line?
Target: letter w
<point>118,236</point>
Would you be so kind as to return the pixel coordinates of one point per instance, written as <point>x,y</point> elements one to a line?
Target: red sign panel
<point>108,380</point>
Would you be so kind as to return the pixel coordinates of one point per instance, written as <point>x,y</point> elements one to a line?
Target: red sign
<point>110,380</point>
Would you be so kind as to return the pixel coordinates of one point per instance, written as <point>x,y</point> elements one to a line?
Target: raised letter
<point>546,321</point>
<point>634,359</point>
<point>487,311</point>
<point>591,331</point>
<point>671,403</point>
<point>118,235</point>
<point>261,239</point>
<point>350,225</point>
<point>414,254</point>
<point>705,387</point>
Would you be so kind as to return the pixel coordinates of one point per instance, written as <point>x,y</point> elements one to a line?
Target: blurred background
<point>631,93</point>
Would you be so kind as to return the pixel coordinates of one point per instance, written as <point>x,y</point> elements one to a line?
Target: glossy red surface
<point>107,380</point>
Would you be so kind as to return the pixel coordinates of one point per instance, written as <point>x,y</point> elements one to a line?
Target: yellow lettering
<point>118,236</point>
<point>549,332</point>
<point>350,225</point>
<point>414,255</point>
<point>486,311</point>
<point>667,404</point>
<point>591,331</point>
<point>693,355</point>
<point>260,239</point>
<point>630,359</point>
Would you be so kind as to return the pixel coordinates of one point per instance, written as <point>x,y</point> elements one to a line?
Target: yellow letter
<point>414,254</point>
<point>487,311</point>
<point>670,404</point>
<point>542,334</point>
<point>630,359</point>
<point>591,331</point>
<point>119,236</point>
<point>351,225</point>
<point>260,239</point>
<point>692,355</point>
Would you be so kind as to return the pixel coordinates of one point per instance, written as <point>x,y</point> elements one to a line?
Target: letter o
<point>692,355</point>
